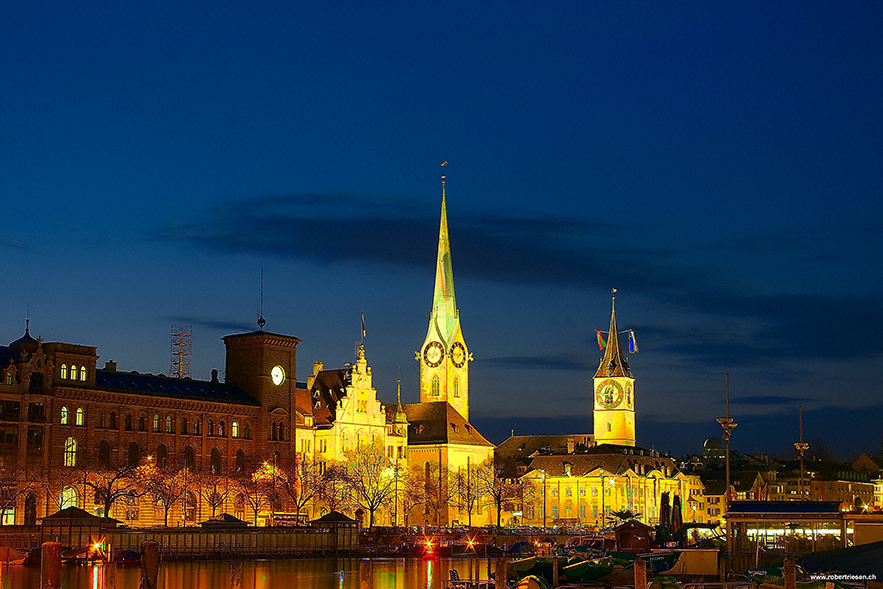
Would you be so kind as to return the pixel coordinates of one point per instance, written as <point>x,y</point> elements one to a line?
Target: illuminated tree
<point>495,482</point>
<point>412,491</point>
<point>370,476</point>
<point>167,485</point>
<point>257,488</point>
<point>437,491</point>
<point>213,489</point>
<point>302,482</point>
<point>334,489</point>
<point>469,491</point>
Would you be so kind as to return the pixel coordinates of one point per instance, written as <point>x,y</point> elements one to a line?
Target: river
<point>321,573</point>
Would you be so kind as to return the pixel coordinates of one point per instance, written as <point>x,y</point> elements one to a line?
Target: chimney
<point>570,445</point>
<point>110,366</point>
<point>214,375</point>
<point>317,368</point>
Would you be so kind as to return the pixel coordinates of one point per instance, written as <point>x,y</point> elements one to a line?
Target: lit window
<point>64,416</point>
<point>436,386</point>
<point>73,372</point>
<point>70,452</point>
<point>456,387</point>
<point>169,424</point>
<point>9,378</point>
<point>82,373</point>
<point>156,423</point>
<point>80,417</point>
<point>64,371</point>
<point>234,429</point>
<point>68,498</point>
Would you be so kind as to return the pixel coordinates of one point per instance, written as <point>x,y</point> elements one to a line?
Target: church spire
<point>444,306</point>
<point>614,362</point>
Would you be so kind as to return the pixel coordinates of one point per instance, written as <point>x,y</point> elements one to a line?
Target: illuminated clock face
<point>278,375</point>
<point>458,355</point>
<point>609,394</point>
<point>433,354</point>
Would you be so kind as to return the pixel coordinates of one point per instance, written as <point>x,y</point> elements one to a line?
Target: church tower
<point>614,392</point>
<point>444,358</point>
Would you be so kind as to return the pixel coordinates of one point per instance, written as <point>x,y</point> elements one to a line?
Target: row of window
<point>74,373</point>
<point>135,456</point>
<point>161,425</point>
<point>436,386</point>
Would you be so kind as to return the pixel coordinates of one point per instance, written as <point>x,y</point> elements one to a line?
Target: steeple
<point>444,307</point>
<point>444,357</point>
<point>614,362</point>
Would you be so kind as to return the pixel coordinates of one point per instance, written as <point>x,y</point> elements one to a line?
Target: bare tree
<point>412,491</point>
<point>334,489</point>
<point>167,485</point>
<point>437,491</point>
<point>213,488</point>
<point>257,488</point>
<point>16,482</point>
<point>468,490</point>
<point>493,478</point>
<point>302,482</point>
<point>111,484</point>
<point>370,476</point>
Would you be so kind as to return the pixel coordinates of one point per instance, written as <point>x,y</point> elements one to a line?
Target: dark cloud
<point>768,400</point>
<point>541,362</point>
<point>341,228</point>
<point>225,326</point>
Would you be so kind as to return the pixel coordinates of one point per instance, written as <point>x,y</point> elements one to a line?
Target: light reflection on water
<point>322,573</point>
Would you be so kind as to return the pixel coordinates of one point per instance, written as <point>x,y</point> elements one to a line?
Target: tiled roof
<point>328,388</point>
<point>440,423</point>
<point>164,386</point>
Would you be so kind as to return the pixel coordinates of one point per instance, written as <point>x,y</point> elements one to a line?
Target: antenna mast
<point>180,355</point>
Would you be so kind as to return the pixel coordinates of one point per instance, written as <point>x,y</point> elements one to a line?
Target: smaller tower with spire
<point>614,391</point>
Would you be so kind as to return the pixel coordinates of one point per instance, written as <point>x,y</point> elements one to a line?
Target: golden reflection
<point>428,574</point>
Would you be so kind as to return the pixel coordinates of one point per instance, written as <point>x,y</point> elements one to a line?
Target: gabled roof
<point>164,386</point>
<point>523,447</point>
<point>334,516</point>
<point>440,423</point>
<point>328,388</point>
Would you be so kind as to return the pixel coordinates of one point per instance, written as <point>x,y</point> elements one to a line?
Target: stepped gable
<point>440,423</point>
<point>134,383</point>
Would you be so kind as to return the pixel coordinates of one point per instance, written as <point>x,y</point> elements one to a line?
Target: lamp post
<point>728,424</point>
<point>801,447</point>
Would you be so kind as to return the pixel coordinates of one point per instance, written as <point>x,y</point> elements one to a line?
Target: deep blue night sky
<point>719,163</point>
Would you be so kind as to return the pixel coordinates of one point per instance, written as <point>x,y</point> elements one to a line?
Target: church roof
<point>614,362</point>
<point>164,386</point>
<point>522,447</point>
<point>440,423</point>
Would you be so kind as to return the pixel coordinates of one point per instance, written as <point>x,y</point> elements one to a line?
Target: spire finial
<point>399,388</point>
<point>261,320</point>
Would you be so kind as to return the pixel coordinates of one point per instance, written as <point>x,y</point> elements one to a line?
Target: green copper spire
<point>444,306</point>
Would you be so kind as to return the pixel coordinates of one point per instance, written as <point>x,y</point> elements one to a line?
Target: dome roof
<point>713,444</point>
<point>25,343</point>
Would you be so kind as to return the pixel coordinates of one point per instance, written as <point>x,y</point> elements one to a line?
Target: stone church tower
<point>444,357</point>
<point>614,392</point>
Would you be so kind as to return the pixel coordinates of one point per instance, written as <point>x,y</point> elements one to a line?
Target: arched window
<point>134,454</point>
<point>216,461</point>
<point>83,373</point>
<point>281,432</point>
<point>245,431</point>
<point>234,429</point>
<point>197,425</point>
<point>104,453</point>
<point>68,498</point>
<point>162,455</point>
<point>112,421</point>
<point>184,425</point>
<point>240,461</point>
<point>142,424</point>
<point>128,422</point>
<point>64,371</point>
<point>70,452</point>
<point>155,423</point>
<point>81,418</point>
<point>169,429</point>
<point>436,386</point>
<point>273,434</point>
<point>73,372</point>
<point>221,429</point>
<point>189,457</point>
<point>210,428</point>
<point>64,416</point>
<point>456,387</point>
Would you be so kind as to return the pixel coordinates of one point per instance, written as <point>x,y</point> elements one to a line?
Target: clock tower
<point>444,357</point>
<point>614,392</point>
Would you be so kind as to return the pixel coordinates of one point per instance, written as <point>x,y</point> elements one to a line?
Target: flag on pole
<point>633,343</point>
<point>363,325</point>
<point>601,342</point>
